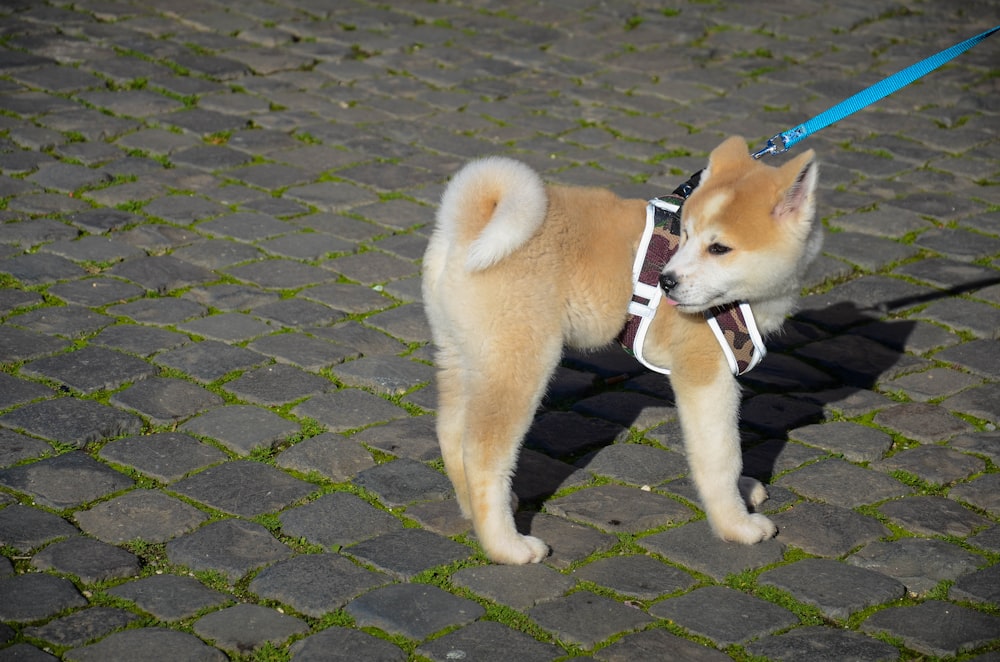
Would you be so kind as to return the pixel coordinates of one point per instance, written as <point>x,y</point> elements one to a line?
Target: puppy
<point>516,269</point>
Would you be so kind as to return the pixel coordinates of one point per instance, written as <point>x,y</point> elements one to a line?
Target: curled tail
<point>492,206</point>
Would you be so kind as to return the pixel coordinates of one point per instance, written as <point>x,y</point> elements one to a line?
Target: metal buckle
<point>772,146</point>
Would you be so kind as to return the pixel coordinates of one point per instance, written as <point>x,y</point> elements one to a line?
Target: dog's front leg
<point>708,401</point>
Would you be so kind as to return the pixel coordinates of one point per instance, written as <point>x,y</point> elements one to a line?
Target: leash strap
<point>782,142</point>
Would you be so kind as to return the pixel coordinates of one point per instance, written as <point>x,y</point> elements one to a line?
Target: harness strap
<point>733,324</point>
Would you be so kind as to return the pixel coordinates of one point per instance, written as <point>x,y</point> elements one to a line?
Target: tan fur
<point>501,315</point>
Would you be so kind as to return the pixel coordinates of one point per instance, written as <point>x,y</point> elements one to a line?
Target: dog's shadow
<point>827,362</point>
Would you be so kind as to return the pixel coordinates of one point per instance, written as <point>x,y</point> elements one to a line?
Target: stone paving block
<point>297,313</point>
<point>338,644</point>
<point>82,627</point>
<point>141,514</point>
<point>981,587</point>
<point>724,615</point>
<point>586,619</point>
<point>488,640</point>
<point>24,528</point>
<point>166,400</point>
<point>244,627</point>
<point>636,464</point>
<point>36,596</point>
<point>627,409</point>
<point>616,508</point>
<point>937,465</point>
<point>217,253</point>
<point>933,516</point>
<point>842,483</point>
<point>414,611</point>
<point>230,297</point>
<point>169,597</point>
<point>165,456</point>
<point>227,327</point>
<point>70,321</point>
<point>11,300</point>
<point>65,481</point>
<point>640,577</point>
<point>982,492</point>
<point>94,249</point>
<point>245,226</point>
<point>348,409</point>
<point>406,322</point>
<point>979,319</point>
<point>165,311</point>
<point>232,547</point>
<point>346,297</point>
<point>857,443</point>
<point>90,369</point>
<point>915,336</point>
<point>40,268</point>
<point>980,402</point>
<point>823,644</point>
<point>773,457</point>
<point>836,589</point>
<point>414,437</point>
<point>825,529</point>
<point>390,375</point>
<point>935,627</point>
<point>315,584</point>
<point>923,422</point>
<point>658,644</point>
<point>919,563</point>
<point>243,488</point>
<point>95,292</point>
<point>980,357</point>
<point>336,520</point>
<point>518,587</point>
<point>695,546</point>
<point>858,361</point>
<point>21,344</point>
<point>305,351</point>
<point>158,645</point>
<point>561,433</point>
<point>90,560</point>
<point>773,414</point>
<point>847,401</point>
<point>330,196</point>
<point>330,455</point>
<point>15,447</point>
<point>371,268</point>
<point>281,274</point>
<point>276,385</point>
<point>932,384</point>
<point>405,553</point>
<point>404,481</point>
<point>209,360</point>
<point>162,274</point>
<point>242,428</point>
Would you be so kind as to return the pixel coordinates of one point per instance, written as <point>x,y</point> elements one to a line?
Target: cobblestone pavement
<point>216,394</point>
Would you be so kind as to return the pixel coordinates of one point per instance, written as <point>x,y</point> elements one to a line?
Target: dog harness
<point>733,324</point>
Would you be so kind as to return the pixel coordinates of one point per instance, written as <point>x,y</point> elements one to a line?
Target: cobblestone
<point>217,430</point>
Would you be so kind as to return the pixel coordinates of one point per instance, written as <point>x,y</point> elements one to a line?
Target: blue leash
<point>782,142</point>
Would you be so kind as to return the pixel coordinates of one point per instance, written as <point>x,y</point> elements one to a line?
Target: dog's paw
<point>519,550</point>
<point>753,492</point>
<point>752,528</point>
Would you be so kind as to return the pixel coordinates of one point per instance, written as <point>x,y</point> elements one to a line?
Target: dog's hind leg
<point>502,392</point>
<point>709,413</point>
<point>451,423</point>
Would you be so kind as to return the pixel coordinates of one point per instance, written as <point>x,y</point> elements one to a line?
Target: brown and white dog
<point>515,270</point>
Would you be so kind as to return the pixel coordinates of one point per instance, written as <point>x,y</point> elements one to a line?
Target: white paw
<point>752,491</point>
<point>518,551</point>
<point>749,529</point>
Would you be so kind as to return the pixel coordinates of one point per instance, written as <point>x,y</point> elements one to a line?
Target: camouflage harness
<point>733,324</point>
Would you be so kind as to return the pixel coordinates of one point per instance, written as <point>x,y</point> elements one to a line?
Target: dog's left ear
<point>798,182</point>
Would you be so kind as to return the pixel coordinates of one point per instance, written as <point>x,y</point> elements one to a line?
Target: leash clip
<point>772,146</point>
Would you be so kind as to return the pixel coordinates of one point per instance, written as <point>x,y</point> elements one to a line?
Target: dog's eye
<point>718,249</point>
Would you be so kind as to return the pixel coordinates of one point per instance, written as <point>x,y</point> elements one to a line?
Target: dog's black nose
<point>668,280</point>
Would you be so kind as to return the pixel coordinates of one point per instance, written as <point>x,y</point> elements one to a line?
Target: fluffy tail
<point>492,206</point>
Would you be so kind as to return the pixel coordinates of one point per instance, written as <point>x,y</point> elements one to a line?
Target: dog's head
<point>747,232</point>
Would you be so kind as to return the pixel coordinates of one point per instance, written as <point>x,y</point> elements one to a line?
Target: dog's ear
<point>732,153</point>
<point>797,180</point>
